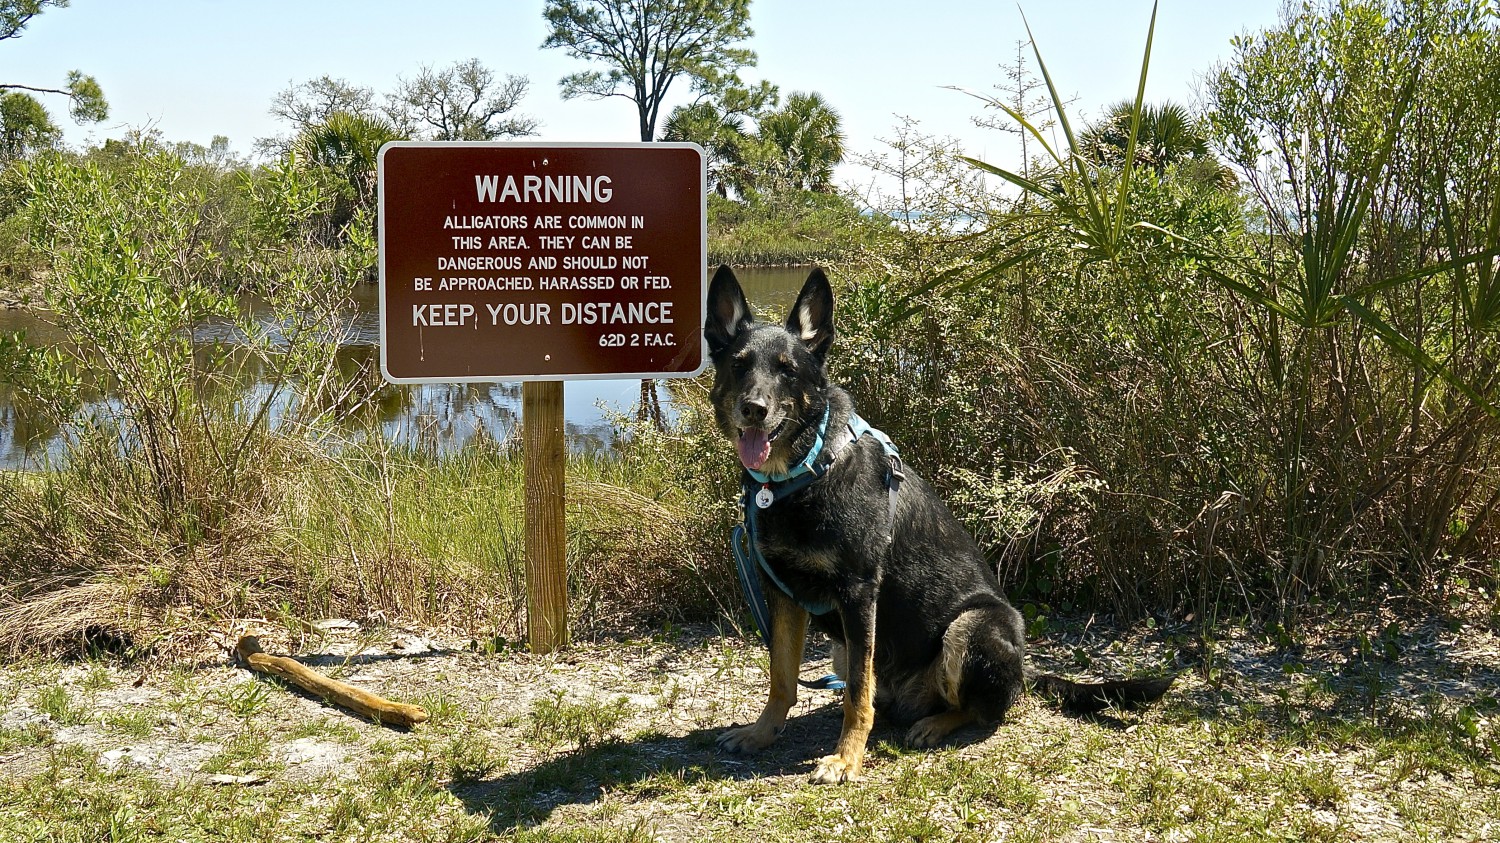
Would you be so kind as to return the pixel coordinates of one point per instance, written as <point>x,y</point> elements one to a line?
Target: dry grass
<point>45,616</point>
<point>1267,737</point>
<point>366,531</point>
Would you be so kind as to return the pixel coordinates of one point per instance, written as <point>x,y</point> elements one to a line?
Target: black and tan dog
<point>866,549</point>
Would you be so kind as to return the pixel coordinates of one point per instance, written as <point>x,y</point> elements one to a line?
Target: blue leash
<point>761,491</point>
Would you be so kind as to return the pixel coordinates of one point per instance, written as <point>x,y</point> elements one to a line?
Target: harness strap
<point>748,530</point>
<point>893,476</point>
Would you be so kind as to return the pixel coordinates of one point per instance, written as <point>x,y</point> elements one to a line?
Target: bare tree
<point>307,105</point>
<point>462,102</point>
<point>312,102</point>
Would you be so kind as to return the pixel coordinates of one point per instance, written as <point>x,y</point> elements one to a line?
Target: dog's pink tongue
<point>754,447</point>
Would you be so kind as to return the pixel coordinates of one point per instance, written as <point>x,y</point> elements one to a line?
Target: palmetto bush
<point>1258,393</point>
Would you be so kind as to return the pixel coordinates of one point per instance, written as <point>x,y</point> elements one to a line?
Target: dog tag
<point>764,497</point>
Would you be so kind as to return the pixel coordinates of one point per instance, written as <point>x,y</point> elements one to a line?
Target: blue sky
<point>198,68</point>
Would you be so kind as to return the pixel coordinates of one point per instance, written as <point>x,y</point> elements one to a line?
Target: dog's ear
<point>811,318</point>
<point>728,312</point>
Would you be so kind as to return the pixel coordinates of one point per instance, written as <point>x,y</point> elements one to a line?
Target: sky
<point>193,69</point>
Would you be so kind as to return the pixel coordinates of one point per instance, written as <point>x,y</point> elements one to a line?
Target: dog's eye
<point>786,367</point>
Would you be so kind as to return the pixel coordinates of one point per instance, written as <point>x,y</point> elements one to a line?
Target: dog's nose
<point>753,411</point>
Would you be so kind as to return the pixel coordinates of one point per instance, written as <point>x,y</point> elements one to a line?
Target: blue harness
<point>762,491</point>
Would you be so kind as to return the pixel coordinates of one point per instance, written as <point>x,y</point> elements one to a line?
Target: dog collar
<point>800,468</point>
<point>747,555</point>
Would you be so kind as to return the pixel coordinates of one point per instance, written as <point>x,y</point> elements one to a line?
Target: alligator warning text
<point>508,261</point>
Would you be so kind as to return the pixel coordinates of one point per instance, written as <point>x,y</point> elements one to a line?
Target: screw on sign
<point>515,261</point>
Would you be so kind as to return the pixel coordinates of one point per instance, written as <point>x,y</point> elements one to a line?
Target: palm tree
<point>722,137</point>
<point>807,134</point>
<point>1169,135</point>
<point>348,145</point>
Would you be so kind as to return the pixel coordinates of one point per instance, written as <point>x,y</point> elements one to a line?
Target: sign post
<point>540,263</point>
<point>545,454</point>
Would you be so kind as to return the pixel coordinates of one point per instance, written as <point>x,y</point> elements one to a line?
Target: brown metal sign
<point>517,261</point>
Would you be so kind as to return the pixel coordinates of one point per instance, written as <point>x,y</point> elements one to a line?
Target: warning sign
<point>514,261</point>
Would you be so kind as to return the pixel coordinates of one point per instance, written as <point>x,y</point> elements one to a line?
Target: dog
<point>856,544</point>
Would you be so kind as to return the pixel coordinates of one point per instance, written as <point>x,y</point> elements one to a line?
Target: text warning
<point>513,261</point>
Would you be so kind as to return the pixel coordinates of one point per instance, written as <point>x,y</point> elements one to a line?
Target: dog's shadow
<point>648,767</point>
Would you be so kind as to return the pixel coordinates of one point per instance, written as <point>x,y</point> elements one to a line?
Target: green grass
<point>582,723</point>
<point>61,704</point>
<point>246,699</point>
<point>134,723</point>
<point>244,753</point>
<point>33,735</point>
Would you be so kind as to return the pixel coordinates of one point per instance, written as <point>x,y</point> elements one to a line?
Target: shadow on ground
<point>651,767</point>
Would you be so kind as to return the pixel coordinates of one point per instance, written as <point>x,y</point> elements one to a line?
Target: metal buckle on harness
<point>895,475</point>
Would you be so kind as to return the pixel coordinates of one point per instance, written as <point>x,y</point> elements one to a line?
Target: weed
<point>470,757</point>
<point>246,699</point>
<point>554,719</point>
<point>669,694</point>
<point>30,735</point>
<point>1318,786</point>
<point>136,723</point>
<point>98,678</point>
<point>244,753</point>
<point>56,702</point>
<point>441,708</point>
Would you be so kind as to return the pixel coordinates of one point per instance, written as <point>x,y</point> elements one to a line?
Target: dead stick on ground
<point>339,693</point>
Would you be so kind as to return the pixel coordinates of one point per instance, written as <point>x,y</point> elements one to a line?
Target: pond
<point>444,416</point>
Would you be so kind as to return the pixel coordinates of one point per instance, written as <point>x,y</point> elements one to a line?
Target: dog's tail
<point>1089,697</point>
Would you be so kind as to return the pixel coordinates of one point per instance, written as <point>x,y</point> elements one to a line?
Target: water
<point>442,415</point>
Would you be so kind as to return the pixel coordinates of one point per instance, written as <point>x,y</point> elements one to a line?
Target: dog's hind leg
<point>788,638</point>
<point>978,675</point>
<point>930,731</point>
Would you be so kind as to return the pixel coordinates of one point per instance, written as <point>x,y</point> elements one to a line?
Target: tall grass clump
<point>1181,392</point>
<point>667,504</point>
<point>439,537</point>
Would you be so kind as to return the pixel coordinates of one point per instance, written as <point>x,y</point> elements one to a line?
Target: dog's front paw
<point>750,738</point>
<point>834,769</point>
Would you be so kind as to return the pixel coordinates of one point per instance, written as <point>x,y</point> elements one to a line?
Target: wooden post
<point>546,536</point>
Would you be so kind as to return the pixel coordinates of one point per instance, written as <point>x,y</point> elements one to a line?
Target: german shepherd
<point>919,624</point>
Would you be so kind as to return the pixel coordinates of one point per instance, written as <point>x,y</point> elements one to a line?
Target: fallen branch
<point>339,693</point>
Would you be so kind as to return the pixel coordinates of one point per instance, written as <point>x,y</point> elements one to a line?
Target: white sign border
<point>702,258</point>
